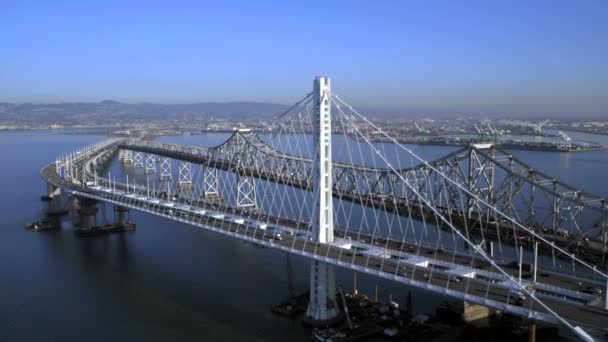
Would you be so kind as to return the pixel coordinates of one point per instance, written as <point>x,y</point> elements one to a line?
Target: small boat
<point>41,225</point>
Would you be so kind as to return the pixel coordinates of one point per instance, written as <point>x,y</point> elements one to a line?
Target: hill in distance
<point>111,111</point>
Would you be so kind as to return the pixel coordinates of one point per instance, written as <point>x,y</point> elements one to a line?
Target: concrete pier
<point>322,306</point>
<point>532,331</point>
<point>57,201</point>
<point>121,215</point>
<point>87,212</point>
<point>52,191</point>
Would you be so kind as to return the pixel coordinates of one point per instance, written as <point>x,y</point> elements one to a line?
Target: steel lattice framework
<point>150,163</point>
<point>211,188</point>
<point>165,168</point>
<point>138,159</point>
<point>571,218</point>
<point>185,174</point>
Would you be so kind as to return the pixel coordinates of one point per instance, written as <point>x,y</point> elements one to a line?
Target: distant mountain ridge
<point>109,110</point>
<point>112,112</point>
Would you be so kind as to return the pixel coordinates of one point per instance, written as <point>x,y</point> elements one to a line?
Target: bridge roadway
<point>476,290</point>
<point>472,225</point>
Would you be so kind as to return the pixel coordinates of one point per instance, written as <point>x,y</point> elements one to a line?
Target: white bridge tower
<point>322,305</point>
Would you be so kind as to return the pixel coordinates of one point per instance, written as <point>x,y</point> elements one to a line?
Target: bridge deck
<point>497,295</point>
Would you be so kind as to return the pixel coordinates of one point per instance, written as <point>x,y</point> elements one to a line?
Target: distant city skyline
<point>517,58</point>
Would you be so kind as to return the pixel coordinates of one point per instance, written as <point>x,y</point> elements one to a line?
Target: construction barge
<point>363,319</point>
<point>105,229</point>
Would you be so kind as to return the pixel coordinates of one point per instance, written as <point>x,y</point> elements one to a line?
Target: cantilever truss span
<point>573,219</point>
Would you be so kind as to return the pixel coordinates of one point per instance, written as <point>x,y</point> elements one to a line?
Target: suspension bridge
<point>477,225</point>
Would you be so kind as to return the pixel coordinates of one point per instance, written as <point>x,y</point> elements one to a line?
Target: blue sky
<point>426,57</point>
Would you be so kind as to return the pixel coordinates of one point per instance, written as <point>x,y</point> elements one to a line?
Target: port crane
<point>491,129</point>
<point>565,142</point>
<point>538,128</point>
<point>479,130</point>
<point>421,130</point>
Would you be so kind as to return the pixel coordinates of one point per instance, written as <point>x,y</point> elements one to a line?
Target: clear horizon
<point>546,58</point>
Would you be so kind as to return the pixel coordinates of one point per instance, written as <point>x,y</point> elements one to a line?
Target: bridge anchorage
<point>477,225</point>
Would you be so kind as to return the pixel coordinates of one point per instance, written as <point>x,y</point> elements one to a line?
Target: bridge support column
<point>245,195</point>
<point>127,157</point>
<point>165,168</point>
<point>51,191</point>
<point>322,306</point>
<point>87,211</point>
<point>138,159</point>
<point>57,203</point>
<point>211,188</point>
<point>87,214</point>
<point>150,163</point>
<point>185,174</point>
<point>122,155</point>
<point>532,331</point>
<point>121,214</point>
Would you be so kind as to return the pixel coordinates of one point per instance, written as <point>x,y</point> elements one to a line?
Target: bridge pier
<point>150,163</point>
<point>322,306</point>
<point>165,168</point>
<point>122,215</point>
<point>245,195</point>
<point>532,331</point>
<point>87,212</point>
<point>126,157</point>
<point>57,203</point>
<point>138,159</point>
<point>51,191</point>
<point>211,186</point>
<point>121,155</point>
<point>184,179</point>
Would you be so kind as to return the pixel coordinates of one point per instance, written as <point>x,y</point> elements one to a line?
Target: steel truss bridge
<point>477,225</point>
